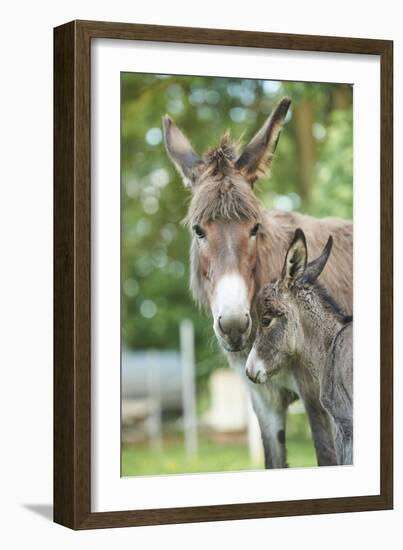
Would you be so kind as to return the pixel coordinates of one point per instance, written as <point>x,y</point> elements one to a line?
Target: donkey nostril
<point>220,325</point>
<point>247,321</point>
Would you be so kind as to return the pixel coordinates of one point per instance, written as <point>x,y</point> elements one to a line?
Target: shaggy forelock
<point>221,192</point>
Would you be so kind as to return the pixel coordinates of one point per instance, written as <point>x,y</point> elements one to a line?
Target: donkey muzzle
<point>234,330</point>
<point>230,308</point>
<point>255,369</point>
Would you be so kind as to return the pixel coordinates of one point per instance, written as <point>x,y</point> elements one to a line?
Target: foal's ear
<point>315,268</point>
<point>180,151</point>
<point>258,154</point>
<point>295,260</point>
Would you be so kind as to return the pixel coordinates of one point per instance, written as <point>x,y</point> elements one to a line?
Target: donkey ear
<point>180,151</point>
<point>315,268</point>
<point>258,154</point>
<point>295,260</point>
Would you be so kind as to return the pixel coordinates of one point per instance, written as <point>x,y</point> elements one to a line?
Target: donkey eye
<point>265,322</point>
<point>254,231</point>
<point>199,231</point>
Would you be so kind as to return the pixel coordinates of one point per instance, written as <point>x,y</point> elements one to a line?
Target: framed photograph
<point>223,285</point>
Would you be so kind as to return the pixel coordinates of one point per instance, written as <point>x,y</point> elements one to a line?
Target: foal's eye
<point>265,322</point>
<point>199,231</point>
<point>255,229</point>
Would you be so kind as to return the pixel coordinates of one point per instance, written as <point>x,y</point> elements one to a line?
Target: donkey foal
<point>298,319</point>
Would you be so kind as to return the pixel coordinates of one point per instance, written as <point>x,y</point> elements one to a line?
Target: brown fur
<point>221,193</point>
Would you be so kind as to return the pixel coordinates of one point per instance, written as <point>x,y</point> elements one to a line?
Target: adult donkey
<point>237,247</point>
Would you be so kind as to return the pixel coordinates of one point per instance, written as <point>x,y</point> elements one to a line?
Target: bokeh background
<point>312,173</point>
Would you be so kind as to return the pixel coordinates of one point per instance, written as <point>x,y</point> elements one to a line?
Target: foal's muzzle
<point>255,369</point>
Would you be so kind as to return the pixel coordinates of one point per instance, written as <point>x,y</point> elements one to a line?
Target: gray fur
<point>337,391</point>
<point>300,321</point>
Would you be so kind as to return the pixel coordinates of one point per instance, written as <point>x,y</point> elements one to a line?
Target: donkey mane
<point>221,159</point>
<point>330,303</point>
<point>221,192</point>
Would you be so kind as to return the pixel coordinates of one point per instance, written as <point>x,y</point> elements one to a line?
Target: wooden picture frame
<point>72,274</point>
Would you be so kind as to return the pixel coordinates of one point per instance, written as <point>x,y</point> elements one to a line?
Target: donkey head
<point>225,220</point>
<point>281,308</point>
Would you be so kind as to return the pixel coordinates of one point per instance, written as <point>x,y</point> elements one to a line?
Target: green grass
<point>141,459</point>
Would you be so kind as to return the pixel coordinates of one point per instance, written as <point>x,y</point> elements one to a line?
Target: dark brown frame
<point>72,291</point>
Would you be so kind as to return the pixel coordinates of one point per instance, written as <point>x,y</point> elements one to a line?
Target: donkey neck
<point>320,325</point>
<point>276,231</point>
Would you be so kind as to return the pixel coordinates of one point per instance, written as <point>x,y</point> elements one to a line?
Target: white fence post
<point>188,387</point>
<point>154,392</point>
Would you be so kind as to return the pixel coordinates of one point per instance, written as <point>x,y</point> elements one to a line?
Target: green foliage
<point>155,296</point>
<point>333,195</point>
